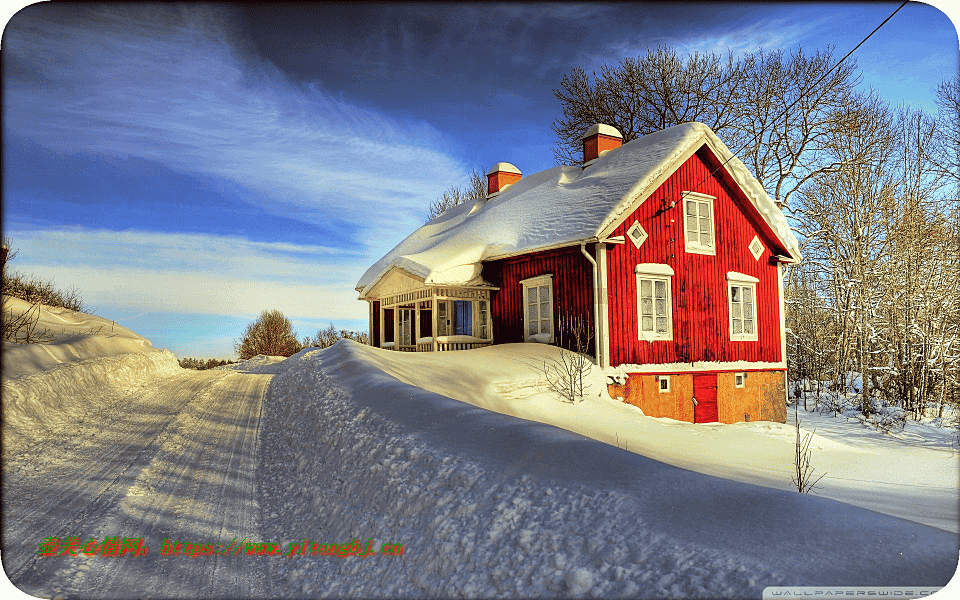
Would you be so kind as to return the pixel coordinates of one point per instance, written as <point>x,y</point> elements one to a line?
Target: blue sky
<point>189,166</point>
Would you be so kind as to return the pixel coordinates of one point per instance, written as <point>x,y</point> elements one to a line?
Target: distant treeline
<point>200,364</point>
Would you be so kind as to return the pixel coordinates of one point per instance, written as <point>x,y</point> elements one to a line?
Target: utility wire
<point>815,84</point>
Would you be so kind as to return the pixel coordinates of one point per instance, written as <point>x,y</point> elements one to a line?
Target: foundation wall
<point>761,399</point>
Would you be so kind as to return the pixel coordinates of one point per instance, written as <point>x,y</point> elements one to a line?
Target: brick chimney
<point>500,177</point>
<point>599,139</point>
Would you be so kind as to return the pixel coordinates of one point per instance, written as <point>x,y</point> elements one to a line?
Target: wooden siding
<point>699,287</point>
<point>572,290</point>
<point>375,325</point>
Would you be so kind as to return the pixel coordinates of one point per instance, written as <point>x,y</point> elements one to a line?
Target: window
<point>637,234</point>
<point>743,315</point>
<point>739,380</point>
<point>406,321</point>
<point>482,319</point>
<point>654,303</point>
<point>698,232</point>
<point>456,317</point>
<point>663,383</point>
<point>756,248</point>
<point>538,308</point>
<point>462,317</point>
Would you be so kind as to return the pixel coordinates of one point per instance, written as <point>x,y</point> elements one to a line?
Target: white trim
<point>667,280</point>
<point>537,282</point>
<point>639,228</point>
<point>694,246</point>
<point>660,387</point>
<point>654,269</point>
<point>696,367</point>
<point>783,331</point>
<point>734,276</point>
<point>759,252</point>
<point>742,337</point>
<point>603,339</point>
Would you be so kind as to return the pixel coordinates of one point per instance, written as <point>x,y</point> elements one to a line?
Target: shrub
<point>271,334</point>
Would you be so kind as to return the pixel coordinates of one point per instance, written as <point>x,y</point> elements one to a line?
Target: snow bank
<point>37,405</point>
<point>78,336</point>
<point>486,504</point>
<point>906,480</point>
<point>260,363</point>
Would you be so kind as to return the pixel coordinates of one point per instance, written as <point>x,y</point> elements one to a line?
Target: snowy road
<point>171,457</point>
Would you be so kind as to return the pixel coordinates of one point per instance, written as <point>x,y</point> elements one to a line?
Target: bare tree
<point>271,334</point>
<point>772,109</point>
<point>476,189</point>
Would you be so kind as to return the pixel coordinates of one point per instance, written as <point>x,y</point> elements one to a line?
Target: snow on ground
<point>78,336</point>
<point>487,504</point>
<point>257,364</point>
<point>427,450</point>
<point>901,476</point>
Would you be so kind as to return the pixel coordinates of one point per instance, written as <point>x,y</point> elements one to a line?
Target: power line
<point>791,105</point>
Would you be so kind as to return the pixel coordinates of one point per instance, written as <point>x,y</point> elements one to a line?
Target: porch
<point>432,319</point>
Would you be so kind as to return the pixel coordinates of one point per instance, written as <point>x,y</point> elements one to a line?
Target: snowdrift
<point>47,386</point>
<point>487,504</point>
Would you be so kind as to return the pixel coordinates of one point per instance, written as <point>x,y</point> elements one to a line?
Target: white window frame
<point>655,273</point>
<point>641,236</point>
<point>741,281</point>
<point>756,243</point>
<point>445,318</point>
<point>538,282</point>
<point>660,388</point>
<point>694,245</point>
<point>743,380</point>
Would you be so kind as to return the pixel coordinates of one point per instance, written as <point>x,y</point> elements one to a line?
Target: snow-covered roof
<point>562,206</point>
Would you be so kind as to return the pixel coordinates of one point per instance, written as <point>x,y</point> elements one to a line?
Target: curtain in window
<point>463,317</point>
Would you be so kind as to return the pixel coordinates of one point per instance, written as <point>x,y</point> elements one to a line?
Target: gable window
<point>756,248</point>
<point>654,302</point>
<point>538,309</point>
<point>698,230</point>
<point>742,297</point>
<point>637,234</point>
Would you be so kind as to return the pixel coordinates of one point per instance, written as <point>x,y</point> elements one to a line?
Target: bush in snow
<point>271,334</point>
<point>22,328</point>
<point>565,374</point>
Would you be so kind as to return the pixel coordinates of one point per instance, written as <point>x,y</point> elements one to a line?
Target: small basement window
<point>739,380</point>
<point>663,383</point>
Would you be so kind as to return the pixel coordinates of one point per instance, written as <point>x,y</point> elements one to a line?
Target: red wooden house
<point>666,248</point>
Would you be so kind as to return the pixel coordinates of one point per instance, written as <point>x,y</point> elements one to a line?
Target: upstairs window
<point>742,290</point>
<point>538,309</point>
<point>698,230</point>
<point>654,302</point>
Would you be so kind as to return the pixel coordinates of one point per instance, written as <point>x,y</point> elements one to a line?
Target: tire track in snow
<point>195,480</point>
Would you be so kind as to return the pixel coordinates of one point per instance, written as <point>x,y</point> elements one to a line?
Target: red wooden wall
<point>572,289</point>
<point>699,286</point>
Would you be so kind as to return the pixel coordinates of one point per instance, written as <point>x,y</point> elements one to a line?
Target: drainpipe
<point>596,301</point>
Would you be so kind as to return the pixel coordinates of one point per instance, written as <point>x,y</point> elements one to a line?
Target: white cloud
<point>173,84</point>
<point>190,273</point>
<point>769,34</point>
